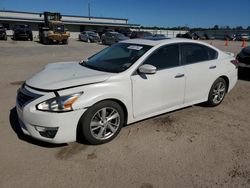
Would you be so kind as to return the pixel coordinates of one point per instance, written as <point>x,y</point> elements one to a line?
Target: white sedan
<point>124,83</point>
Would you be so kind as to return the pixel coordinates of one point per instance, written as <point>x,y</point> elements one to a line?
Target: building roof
<point>7,15</point>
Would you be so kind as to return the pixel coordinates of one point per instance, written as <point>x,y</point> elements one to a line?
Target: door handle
<point>179,75</point>
<point>212,67</point>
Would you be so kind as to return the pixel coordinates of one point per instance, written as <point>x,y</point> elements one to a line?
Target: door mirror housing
<point>147,69</point>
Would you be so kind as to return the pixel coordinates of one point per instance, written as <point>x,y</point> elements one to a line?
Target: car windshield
<point>119,35</point>
<point>92,33</point>
<point>116,58</point>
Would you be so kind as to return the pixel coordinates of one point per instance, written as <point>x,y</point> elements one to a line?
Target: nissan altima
<point>124,83</point>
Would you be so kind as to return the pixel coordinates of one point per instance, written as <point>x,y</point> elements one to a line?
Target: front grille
<point>24,97</point>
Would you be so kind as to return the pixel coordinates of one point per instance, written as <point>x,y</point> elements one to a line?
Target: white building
<point>74,24</point>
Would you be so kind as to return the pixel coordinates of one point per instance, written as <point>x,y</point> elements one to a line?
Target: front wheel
<point>102,122</point>
<point>217,92</point>
<point>65,41</point>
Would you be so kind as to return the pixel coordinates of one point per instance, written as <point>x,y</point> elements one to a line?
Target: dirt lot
<point>192,147</point>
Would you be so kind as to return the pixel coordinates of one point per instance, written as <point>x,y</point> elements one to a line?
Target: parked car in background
<point>100,33</point>
<point>243,36</point>
<point>89,36</point>
<point>244,57</point>
<point>22,32</point>
<point>198,36</point>
<point>126,32</point>
<point>109,38</point>
<point>124,83</point>
<point>156,37</point>
<point>3,34</point>
<point>230,37</point>
<point>209,36</point>
<point>187,35</point>
<point>140,34</point>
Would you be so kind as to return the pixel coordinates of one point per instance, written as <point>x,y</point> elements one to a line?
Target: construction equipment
<point>53,30</point>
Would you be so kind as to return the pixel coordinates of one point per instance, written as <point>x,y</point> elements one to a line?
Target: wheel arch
<point>227,81</point>
<point>79,136</point>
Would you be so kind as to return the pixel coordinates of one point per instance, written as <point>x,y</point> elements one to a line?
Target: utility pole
<point>89,10</point>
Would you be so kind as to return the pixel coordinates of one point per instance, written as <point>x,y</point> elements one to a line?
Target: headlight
<point>59,104</point>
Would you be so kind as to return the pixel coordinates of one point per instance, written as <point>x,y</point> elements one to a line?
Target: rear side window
<point>194,53</point>
<point>165,57</point>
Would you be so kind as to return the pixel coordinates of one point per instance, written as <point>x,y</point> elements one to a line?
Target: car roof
<point>113,32</point>
<point>163,41</point>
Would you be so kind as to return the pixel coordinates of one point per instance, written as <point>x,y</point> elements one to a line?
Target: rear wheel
<point>46,40</point>
<point>102,122</point>
<point>31,37</point>
<point>65,41</point>
<point>217,92</point>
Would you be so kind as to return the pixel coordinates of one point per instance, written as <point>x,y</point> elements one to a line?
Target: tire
<point>102,130</point>
<point>65,41</point>
<point>31,37</point>
<point>45,40</point>
<point>217,92</point>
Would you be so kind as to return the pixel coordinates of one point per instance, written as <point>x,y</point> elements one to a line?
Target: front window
<point>59,28</point>
<point>116,58</point>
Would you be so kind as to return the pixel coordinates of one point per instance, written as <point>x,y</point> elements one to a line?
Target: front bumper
<point>62,126</point>
<point>58,37</point>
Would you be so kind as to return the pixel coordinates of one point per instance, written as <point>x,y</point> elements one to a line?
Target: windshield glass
<point>119,35</point>
<point>58,28</point>
<point>116,58</point>
<point>92,33</point>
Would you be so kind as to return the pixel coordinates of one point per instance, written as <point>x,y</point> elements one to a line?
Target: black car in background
<point>3,34</point>
<point>140,34</point>
<point>198,36</point>
<point>22,32</point>
<point>187,35</point>
<point>110,38</point>
<point>244,57</point>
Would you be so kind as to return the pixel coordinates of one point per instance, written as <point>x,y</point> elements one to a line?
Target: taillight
<point>235,62</point>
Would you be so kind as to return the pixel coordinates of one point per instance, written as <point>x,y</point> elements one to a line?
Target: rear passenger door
<point>200,66</point>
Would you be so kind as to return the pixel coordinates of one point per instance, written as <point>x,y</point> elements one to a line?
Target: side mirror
<point>147,69</point>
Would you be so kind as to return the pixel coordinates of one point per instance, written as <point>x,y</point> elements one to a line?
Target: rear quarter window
<point>195,53</point>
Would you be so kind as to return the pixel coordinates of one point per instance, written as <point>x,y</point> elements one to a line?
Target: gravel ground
<point>192,147</point>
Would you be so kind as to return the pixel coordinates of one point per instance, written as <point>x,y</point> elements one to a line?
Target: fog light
<point>48,132</point>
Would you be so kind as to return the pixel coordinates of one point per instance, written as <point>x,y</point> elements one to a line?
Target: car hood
<point>62,75</point>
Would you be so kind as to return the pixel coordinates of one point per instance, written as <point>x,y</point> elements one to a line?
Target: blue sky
<point>166,13</point>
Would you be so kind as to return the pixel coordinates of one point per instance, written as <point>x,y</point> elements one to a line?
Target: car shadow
<point>14,123</point>
<point>244,73</point>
